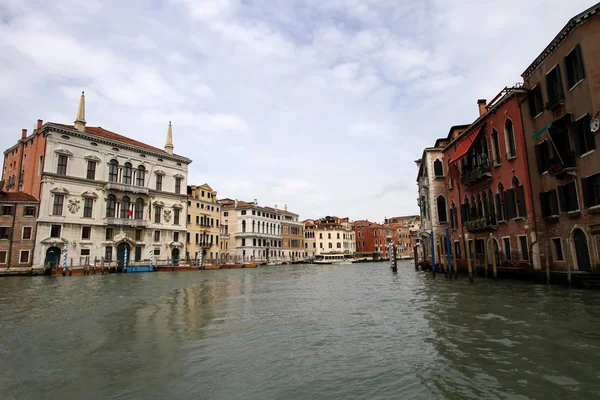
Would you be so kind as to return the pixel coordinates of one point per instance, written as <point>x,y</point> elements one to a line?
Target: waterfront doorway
<point>52,257</point>
<point>582,251</point>
<point>121,254</point>
<point>175,256</point>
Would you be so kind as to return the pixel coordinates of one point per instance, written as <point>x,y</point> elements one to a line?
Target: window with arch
<point>330,245</point>
<point>141,176</point>
<point>490,207</point>
<point>139,209</point>
<point>438,168</point>
<point>473,210</point>
<point>125,207</point>
<point>465,210</point>
<point>509,136</point>
<point>244,226</point>
<point>519,194</point>
<point>453,217</point>
<point>496,147</point>
<point>441,209</point>
<point>113,171</point>
<point>500,203</point>
<point>127,172</point>
<point>111,204</point>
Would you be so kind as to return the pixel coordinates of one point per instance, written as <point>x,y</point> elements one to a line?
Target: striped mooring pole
<point>243,255</point>
<point>125,259</point>
<point>200,259</point>
<point>64,263</point>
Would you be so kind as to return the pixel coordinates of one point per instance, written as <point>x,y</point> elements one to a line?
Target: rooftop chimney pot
<point>23,133</point>
<point>40,123</point>
<point>482,103</point>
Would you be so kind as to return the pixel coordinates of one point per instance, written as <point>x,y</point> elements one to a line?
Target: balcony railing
<point>138,223</point>
<point>480,225</point>
<point>121,187</point>
<point>224,235</point>
<point>473,176</point>
<point>562,164</point>
<point>258,235</point>
<point>205,245</point>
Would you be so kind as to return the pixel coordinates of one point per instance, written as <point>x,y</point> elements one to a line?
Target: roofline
<point>85,135</point>
<point>491,109</point>
<point>465,126</point>
<point>573,23</point>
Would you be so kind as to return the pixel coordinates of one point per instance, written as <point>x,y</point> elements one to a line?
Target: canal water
<point>296,332</point>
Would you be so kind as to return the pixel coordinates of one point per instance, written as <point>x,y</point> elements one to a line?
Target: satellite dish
<point>594,125</point>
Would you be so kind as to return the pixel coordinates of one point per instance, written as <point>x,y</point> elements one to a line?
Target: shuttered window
<point>591,190</point>
<point>522,209</point>
<point>567,195</point>
<point>549,203</point>
<point>499,208</point>
<point>511,204</point>
<point>542,156</point>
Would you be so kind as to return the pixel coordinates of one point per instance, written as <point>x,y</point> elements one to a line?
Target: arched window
<point>438,168</point>
<point>509,136</point>
<point>244,226</point>
<point>473,212</point>
<point>496,147</point>
<point>339,245</point>
<point>330,245</point>
<point>113,171</point>
<point>500,204</point>
<point>125,207</point>
<point>111,204</point>
<point>141,176</point>
<point>139,209</point>
<point>127,174</point>
<point>490,208</point>
<point>519,194</point>
<point>441,209</point>
<point>465,211</point>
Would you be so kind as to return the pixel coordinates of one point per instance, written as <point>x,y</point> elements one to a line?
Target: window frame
<point>577,50</point>
<point>554,252</point>
<point>58,207</point>
<point>88,208</point>
<point>21,256</point>
<point>30,232</point>
<point>61,169</point>
<point>91,170</point>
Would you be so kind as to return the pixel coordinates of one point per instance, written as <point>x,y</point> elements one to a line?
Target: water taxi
<point>331,259</point>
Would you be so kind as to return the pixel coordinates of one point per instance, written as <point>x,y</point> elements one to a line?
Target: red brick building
<point>23,163</point>
<point>18,215</point>
<point>562,136</point>
<point>372,239</point>
<point>488,189</point>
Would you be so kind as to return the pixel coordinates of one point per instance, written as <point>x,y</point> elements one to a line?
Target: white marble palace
<point>106,195</point>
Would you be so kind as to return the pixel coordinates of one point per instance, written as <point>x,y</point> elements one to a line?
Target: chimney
<point>482,103</point>
<point>236,202</point>
<point>39,124</point>
<point>23,133</point>
<point>255,202</point>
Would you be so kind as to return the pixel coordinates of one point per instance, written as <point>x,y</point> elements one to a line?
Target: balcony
<point>121,187</point>
<point>563,164</point>
<point>224,235</point>
<point>481,225</point>
<point>136,223</point>
<point>475,175</point>
<point>205,245</point>
<point>257,235</point>
<point>558,100</point>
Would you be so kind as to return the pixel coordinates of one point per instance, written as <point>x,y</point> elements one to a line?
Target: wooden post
<point>494,256</point>
<point>416,257</point>
<point>469,268</point>
<point>485,258</point>
<point>568,260</point>
<point>548,263</point>
<point>454,264</point>
<point>443,257</point>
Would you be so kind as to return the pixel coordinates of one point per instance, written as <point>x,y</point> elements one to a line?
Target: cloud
<point>321,105</point>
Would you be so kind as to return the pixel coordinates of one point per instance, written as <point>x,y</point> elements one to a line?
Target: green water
<point>296,332</point>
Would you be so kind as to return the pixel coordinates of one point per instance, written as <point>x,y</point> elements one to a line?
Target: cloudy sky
<point>319,104</point>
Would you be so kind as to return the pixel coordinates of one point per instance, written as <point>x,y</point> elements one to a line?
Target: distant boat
<point>331,259</point>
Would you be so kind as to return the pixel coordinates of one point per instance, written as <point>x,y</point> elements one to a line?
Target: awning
<point>556,121</point>
<point>465,145</point>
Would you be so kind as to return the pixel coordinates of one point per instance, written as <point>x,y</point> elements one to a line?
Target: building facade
<point>431,181</point>
<point>104,195</point>
<point>203,219</point>
<point>250,231</point>
<point>293,236</point>
<point>561,113</point>
<point>373,240</point>
<point>329,235</point>
<point>18,214</point>
<point>488,188</point>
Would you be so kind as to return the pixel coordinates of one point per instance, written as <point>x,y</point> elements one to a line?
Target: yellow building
<point>293,236</point>
<point>329,235</point>
<point>203,223</point>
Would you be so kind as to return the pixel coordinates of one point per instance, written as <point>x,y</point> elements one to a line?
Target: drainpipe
<point>12,233</point>
<point>530,188</point>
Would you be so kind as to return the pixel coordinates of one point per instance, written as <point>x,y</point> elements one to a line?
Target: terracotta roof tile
<point>105,133</point>
<point>16,196</point>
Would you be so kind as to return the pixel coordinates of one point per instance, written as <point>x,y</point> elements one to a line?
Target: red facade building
<point>488,187</point>
<point>372,239</point>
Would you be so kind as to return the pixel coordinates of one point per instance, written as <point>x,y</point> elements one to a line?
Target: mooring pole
<point>416,257</point>
<point>567,250</point>
<point>469,268</point>
<point>432,238</point>
<point>548,263</point>
<point>485,258</point>
<point>495,269</point>
<point>448,252</point>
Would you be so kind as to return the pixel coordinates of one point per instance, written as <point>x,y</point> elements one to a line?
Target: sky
<point>320,105</point>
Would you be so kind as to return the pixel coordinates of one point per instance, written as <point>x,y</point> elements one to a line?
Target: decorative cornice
<point>573,24</point>
<point>94,138</point>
